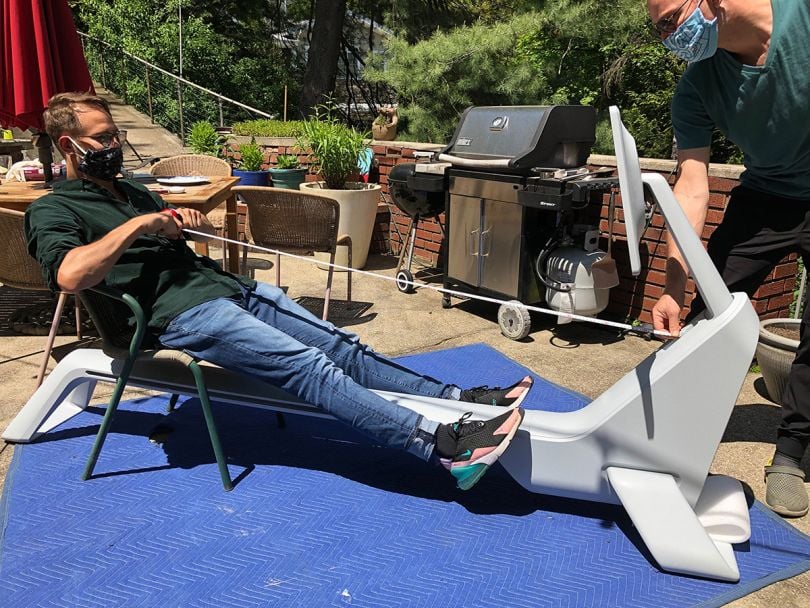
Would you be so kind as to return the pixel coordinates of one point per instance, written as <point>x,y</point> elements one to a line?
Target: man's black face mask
<point>102,164</point>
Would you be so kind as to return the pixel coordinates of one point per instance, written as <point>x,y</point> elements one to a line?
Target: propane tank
<point>569,268</point>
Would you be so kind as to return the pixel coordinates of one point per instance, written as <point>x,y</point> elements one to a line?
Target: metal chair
<point>20,271</point>
<point>295,222</point>
<point>197,164</point>
<point>110,311</point>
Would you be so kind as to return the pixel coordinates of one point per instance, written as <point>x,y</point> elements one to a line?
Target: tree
<point>437,79</point>
<point>234,59</point>
<point>324,52</point>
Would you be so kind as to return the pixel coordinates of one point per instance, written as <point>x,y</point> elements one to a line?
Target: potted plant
<point>335,152</point>
<point>778,342</point>
<point>288,172</point>
<point>203,138</point>
<point>384,127</point>
<point>249,171</point>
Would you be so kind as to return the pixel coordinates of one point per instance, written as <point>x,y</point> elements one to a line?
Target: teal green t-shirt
<point>765,110</point>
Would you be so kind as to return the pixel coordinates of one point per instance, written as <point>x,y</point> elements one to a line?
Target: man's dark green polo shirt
<point>165,275</point>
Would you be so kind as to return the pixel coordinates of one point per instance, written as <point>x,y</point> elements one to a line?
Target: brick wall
<point>634,297</point>
<point>276,146</point>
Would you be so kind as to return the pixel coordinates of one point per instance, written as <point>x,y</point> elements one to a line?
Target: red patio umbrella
<point>40,55</point>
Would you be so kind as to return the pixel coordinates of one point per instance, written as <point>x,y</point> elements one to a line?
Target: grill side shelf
<point>554,195</point>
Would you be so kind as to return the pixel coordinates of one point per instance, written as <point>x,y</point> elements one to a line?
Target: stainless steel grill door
<point>500,247</point>
<point>464,243</point>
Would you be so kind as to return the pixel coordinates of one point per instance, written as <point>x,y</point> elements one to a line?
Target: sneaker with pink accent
<point>467,448</point>
<point>511,396</point>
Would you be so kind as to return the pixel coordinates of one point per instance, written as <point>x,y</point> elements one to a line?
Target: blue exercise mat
<point>321,517</point>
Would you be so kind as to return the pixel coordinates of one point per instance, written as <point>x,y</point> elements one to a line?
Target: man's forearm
<point>86,266</point>
<point>692,192</point>
<point>694,200</point>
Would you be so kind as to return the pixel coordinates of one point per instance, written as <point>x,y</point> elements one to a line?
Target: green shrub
<point>204,139</point>
<point>287,161</point>
<point>252,157</point>
<point>796,303</point>
<point>269,128</point>
<point>335,147</point>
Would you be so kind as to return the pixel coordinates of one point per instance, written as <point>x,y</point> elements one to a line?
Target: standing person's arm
<point>692,192</point>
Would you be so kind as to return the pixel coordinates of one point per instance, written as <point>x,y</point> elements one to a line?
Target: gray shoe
<point>784,491</point>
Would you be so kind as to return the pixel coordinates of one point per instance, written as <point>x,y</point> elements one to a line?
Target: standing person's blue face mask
<point>695,39</point>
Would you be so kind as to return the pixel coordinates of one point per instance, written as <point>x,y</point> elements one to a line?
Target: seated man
<point>95,227</point>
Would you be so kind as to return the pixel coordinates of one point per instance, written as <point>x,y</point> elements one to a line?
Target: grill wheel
<point>514,320</point>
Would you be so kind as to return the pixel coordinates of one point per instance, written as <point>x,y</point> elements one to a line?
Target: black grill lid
<point>557,137</point>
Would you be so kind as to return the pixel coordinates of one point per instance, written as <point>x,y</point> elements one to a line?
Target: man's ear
<point>66,146</point>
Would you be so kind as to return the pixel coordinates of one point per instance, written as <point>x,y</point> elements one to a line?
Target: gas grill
<point>516,190</point>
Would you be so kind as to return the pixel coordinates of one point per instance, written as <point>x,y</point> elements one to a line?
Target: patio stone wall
<point>634,297</point>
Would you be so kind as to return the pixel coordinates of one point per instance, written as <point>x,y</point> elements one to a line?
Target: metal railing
<point>169,100</point>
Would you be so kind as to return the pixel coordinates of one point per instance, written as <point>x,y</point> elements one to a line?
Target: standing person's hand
<point>666,315</point>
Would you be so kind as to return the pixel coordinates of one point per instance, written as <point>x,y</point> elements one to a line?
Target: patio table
<point>205,198</point>
<point>15,147</point>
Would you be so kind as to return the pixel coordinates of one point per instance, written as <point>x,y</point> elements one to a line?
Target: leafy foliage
<point>287,161</point>
<point>796,289</point>
<point>567,52</point>
<point>252,157</point>
<point>234,61</point>
<point>446,55</point>
<point>203,138</point>
<point>438,78</point>
<point>335,147</point>
<point>269,128</point>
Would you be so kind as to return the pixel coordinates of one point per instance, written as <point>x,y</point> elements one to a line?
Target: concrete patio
<point>584,358</point>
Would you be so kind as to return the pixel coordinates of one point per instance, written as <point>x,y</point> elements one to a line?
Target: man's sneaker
<point>511,396</point>
<point>467,448</point>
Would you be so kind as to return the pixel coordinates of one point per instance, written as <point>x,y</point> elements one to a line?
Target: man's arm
<point>86,266</point>
<point>692,191</point>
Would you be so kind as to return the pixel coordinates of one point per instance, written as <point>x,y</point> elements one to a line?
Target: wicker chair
<point>295,222</point>
<point>191,164</point>
<point>197,164</point>
<point>20,271</point>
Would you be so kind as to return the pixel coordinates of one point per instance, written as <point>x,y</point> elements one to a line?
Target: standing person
<point>95,227</point>
<point>748,77</point>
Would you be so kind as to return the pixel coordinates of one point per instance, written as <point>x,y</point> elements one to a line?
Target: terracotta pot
<point>385,132</point>
<point>775,355</point>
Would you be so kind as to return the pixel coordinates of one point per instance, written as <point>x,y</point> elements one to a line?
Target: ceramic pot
<point>358,212</point>
<point>288,179</point>
<point>775,355</point>
<point>252,178</point>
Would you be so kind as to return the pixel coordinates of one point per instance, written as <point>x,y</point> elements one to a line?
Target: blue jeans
<point>266,335</point>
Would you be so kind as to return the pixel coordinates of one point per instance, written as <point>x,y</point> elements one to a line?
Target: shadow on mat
<point>251,438</point>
